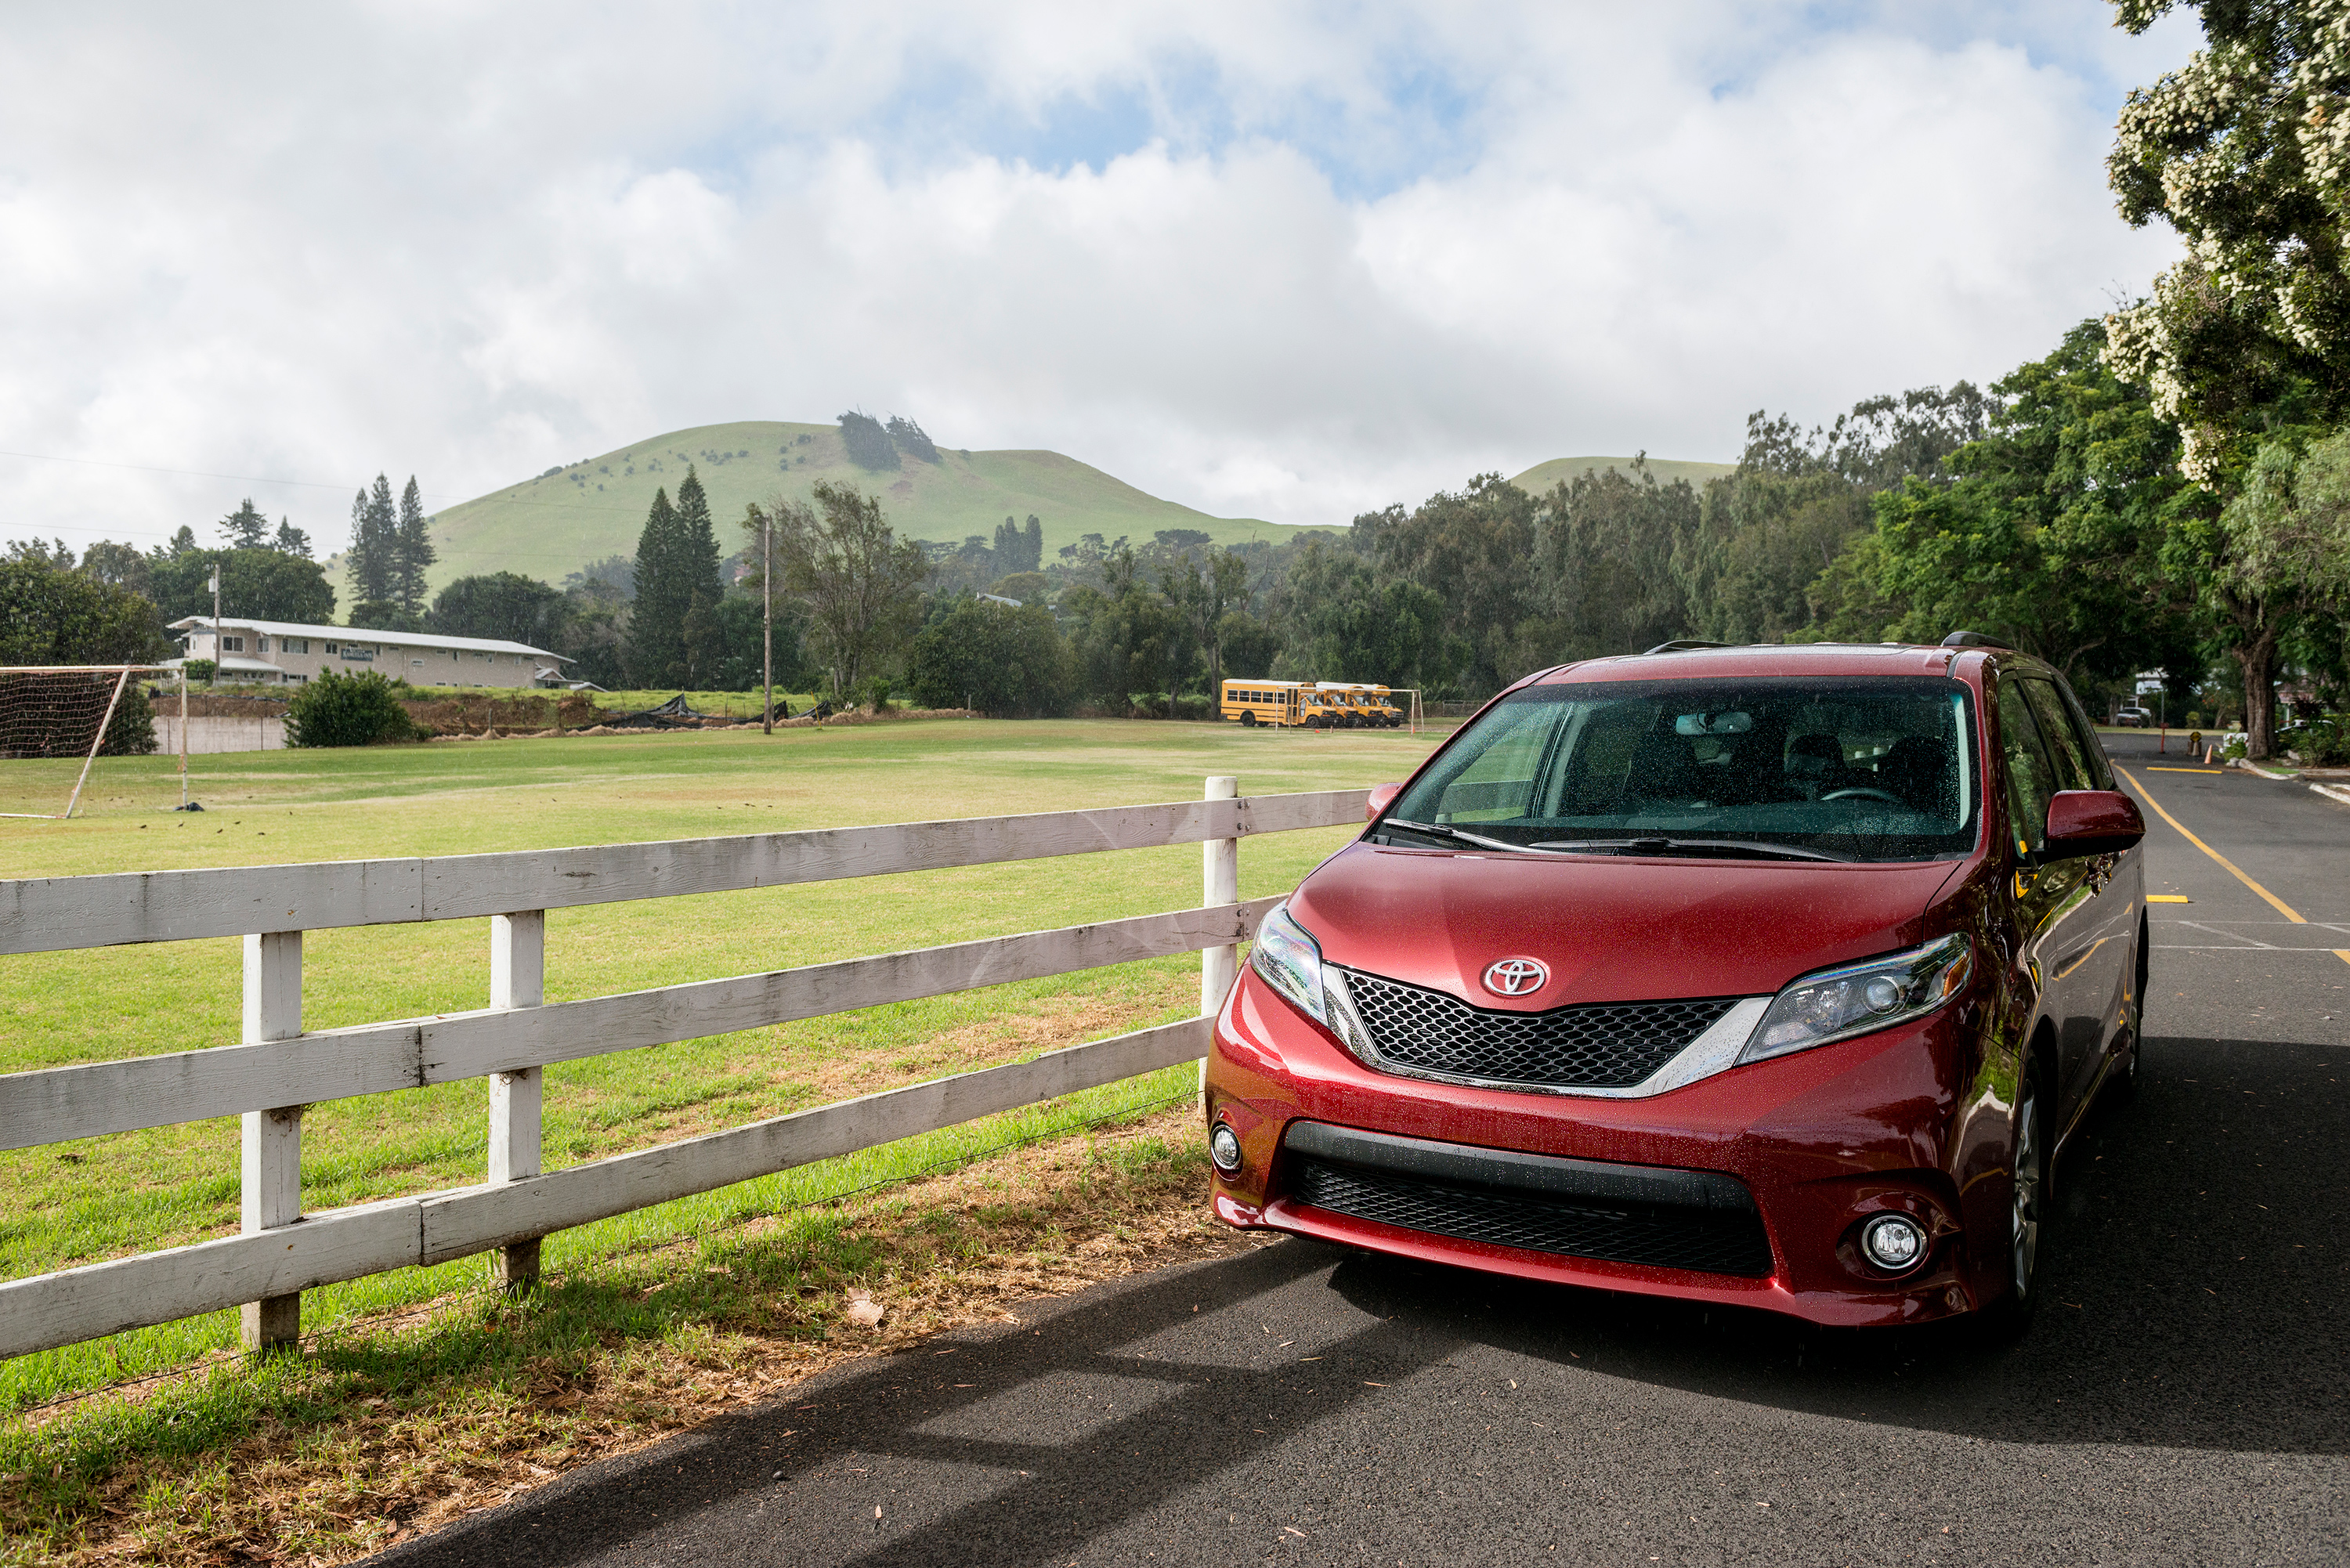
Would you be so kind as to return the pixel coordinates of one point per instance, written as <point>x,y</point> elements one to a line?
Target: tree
<point>412,553</point>
<point>2287,550</point>
<point>655,647</point>
<point>245,528</point>
<point>373,561</point>
<point>2244,342</point>
<point>122,565</point>
<point>2245,151</point>
<point>1006,663</point>
<point>503,606</point>
<point>51,616</point>
<point>266,585</point>
<point>1472,548</point>
<point>908,437</point>
<point>290,540</point>
<point>861,582</point>
<point>868,444</point>
<point>2046,530</point>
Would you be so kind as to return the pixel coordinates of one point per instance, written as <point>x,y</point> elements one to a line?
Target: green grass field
<point>548,526</point>
<point>66,1204</point>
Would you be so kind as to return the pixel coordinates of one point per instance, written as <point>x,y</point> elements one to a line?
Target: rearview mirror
<point>1382,796</point>
<point>2092,821</point>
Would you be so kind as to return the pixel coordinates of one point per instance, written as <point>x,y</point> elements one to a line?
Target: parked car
<point>2133,718</point>
<point>1776,976</point>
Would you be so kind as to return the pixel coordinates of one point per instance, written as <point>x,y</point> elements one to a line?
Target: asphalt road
<point>2182,1398</point>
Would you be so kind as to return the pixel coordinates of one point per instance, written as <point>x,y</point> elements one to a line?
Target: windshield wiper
<point>1727,848</point>
<point>1437,830</point>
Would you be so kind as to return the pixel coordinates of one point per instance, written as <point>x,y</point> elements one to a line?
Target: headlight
<point>1860,999</point>
<point>1288,960</point>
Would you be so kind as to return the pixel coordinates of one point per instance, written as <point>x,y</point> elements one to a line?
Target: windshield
<point>1844,768</point>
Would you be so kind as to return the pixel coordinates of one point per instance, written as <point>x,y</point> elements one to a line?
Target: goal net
<point>56,721</point>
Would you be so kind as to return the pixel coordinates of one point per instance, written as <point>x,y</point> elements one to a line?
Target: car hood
<point>1611,929</point>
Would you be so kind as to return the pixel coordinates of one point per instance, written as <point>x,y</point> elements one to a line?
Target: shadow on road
<point>2195,1268</point>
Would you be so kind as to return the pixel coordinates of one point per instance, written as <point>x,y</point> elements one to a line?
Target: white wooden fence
<point>279,1068</point>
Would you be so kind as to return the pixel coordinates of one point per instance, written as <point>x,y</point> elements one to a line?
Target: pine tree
<point>412,551</point>
<point>698,559</point>
<point>245,528</point>
<point>656,650</point>
<point>1034,534</point>
<point>374,560</point>
<point>290,540</point>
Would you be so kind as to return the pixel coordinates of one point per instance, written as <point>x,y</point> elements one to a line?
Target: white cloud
<point>1292,262</point>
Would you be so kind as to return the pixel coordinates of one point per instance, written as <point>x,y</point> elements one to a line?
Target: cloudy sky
<point>1287,261</point>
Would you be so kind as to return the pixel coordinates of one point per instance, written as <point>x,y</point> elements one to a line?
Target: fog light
<point>1893,1241</point>
<point>1882,994</point>
<point>1224,1149</point>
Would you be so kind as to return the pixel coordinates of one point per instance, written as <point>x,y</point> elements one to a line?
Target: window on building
<point>261,645</point>
<point>330,648</point>
<point>294,645</point>
<point>231,645</point>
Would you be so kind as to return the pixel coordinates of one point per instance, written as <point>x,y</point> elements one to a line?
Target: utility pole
<point>768,617</point>
<point>216,619</point>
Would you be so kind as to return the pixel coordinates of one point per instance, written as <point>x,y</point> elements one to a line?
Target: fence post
<point>517,979</point>
<point>1220,884</point>
<point>270,1172</point>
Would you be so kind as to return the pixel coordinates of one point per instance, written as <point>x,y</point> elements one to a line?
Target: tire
<point>1248,717</point>
<point>2125,1079</point>
<point>2008,1318</point>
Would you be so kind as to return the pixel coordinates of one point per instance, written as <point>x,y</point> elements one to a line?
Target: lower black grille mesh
<point>1710,1241</point>
<point>1598,1045</point>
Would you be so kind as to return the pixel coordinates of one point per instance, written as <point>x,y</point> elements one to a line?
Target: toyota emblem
<point>1516,977</point>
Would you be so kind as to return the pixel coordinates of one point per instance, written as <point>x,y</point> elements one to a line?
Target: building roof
<point>363,634</point>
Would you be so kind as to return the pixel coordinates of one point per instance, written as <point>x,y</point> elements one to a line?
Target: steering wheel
<point>1865,791</point>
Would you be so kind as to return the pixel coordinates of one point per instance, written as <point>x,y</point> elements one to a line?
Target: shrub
<point>202,669</point>
<point>2194,718</point>
<point>1195,705</point>
<point>347,711</point>
<point>876,693</point>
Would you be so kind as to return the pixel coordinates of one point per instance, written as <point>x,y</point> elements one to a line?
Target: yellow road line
<point>2343,953</point>
<point>2283,907</point>
<point>2214,772</point>
<point>2169,898</point>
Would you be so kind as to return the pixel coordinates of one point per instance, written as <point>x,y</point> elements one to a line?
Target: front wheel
<point>1248,720</point>
<point>2008,1317</point>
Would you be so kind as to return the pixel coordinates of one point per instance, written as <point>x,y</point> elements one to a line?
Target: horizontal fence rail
<point>279,1068</point>
<point>47,914</point>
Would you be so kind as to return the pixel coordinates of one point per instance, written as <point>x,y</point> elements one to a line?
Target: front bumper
<point>1814,1143</point>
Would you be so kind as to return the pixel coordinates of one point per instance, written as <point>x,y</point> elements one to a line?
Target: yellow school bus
<point>1284,704</point>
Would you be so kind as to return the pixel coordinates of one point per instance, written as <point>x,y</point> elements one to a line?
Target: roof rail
<point>1975,639</point>
<point>1684,645</point>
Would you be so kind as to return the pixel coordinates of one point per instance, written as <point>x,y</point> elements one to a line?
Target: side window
<point>2030,781</point>
<point>2064,750</point>
<point>2100,768</point>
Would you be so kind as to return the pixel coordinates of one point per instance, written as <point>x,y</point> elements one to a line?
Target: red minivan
<point>1770,975</point>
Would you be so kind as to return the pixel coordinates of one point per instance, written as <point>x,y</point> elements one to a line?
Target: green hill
<point>557,522</point>
<point>1543,475</point>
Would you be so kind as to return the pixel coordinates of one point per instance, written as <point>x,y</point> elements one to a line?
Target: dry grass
<point>392,1426</point>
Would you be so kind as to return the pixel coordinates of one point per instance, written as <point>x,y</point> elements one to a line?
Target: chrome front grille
<point>1596,1045</point>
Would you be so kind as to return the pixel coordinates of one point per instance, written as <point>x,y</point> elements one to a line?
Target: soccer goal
<point>65,712</point>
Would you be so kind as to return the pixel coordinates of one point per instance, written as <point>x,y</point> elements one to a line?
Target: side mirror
<point>1382,796</point>
<point>2092,821</point>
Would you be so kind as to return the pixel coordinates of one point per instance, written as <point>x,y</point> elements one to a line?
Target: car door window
<point>2064,749</point>
<point>2100,768</point>
<point>2029,778</point>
